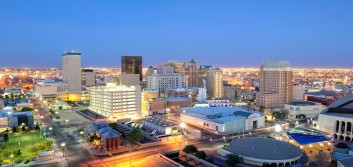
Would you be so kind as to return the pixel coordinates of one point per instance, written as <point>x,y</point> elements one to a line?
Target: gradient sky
<point>308,33</point>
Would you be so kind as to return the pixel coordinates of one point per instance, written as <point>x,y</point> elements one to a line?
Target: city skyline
<point>239,34</point>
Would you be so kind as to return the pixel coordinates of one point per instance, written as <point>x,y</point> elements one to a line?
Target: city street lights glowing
<point>278,128</point>
<point>183,125</point>
<point>50,128</point>
<point>63,146</point>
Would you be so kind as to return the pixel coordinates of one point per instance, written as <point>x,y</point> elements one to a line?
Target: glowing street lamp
<point>278,128</point>
<point>63,146</point>
<point>66,122</point>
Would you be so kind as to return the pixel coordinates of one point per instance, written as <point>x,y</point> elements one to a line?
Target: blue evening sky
<point>308,33</point>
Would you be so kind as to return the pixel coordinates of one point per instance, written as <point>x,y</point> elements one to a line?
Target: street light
<point>63,146</point>
<point>11,159</point>
<point>211,140</point>
<point>51,129</point>
<point>321,145</point>
<point>19,145</point>
<point>183,125</point>
<point>225,141</point>
<point>278,128</point>
<point>66,122</point>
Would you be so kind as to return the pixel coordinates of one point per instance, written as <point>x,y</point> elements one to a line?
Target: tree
<point>135,136</point>
<point>281,115</point>
<point>60,107</point>
<point>190,149</point>
<point>14,129</point>
<point>27,109</point>
<point>200,154</point>
<point>33,150</point>
<point>37,126</point>
<point>6,137</point>
<point>232,159</point>
<point>18,152</point>
<point>23,128</point>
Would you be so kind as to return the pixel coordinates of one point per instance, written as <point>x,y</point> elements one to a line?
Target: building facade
<point>222,119</point>
<point>165,78</point>
<point>129,79</point>
<point>298,92</point>
<point>214,83</point>
<point>304,109</point>
<point>131,65</point>
<point>88,77</point>
<point>275,85</point>
<point>116,101</point>
<point>71,70</point>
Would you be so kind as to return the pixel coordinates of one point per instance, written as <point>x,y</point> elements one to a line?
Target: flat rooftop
<point>160,122</point>
<point>219,114</point>
<point>264,148</point>
<point>303,103</point>
<point>176,99</point>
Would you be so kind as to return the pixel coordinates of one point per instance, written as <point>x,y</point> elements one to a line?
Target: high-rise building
<point>71,70</point>
<point>194,75</point>
<point>129,79</point>
<point>131,65</point>
<point>88,77</point>
<point>214,83</point>
<point>165,78</point>
<point>116,101</point>
<point>275,85</point>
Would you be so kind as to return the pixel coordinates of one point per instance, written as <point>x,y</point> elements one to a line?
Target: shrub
<point>200,154</point>
<point>190,149</point>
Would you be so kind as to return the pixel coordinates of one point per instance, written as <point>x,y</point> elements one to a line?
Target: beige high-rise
<point>275,85</point>
<point>71,70</point>
<point>214,83</point>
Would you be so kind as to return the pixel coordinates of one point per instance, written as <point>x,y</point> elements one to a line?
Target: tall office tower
<point>214,83</point>
<point>131,65</point>
<point>116,101</point>
<point>275,85</point>
<point>165,78</point>
<point>88,77</point>
<point>71,70</point>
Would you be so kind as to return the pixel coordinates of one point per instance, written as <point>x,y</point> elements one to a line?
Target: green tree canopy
<point>232,160</point>
<point>6,137</point>
<point>190,149</point>
<point>135,136</point>
<point>200,154</point>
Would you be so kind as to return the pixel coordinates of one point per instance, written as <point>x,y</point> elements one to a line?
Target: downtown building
<point>71,70</point>
<point>275,85</point>
<point>164,78</point>
<point>115,101</point>
<point>191,70</point>
<point>214,83</point>
<point>131,65</point>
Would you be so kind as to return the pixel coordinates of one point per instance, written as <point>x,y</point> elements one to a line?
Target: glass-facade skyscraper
<point>131,65</point>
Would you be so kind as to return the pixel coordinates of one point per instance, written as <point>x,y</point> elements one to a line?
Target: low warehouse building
<point>160,125</point>
<point>223,119</point>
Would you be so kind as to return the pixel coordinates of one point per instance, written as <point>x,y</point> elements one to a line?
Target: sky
<point>227,33</point>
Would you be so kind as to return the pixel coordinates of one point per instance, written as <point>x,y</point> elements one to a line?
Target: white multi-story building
<point>202,95</point>
<point>115,101</point>
<point>71,70</point>
<point>304,109</point>
<point>165,78</point>
<point>48,88</point>
<point>15,90</point>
